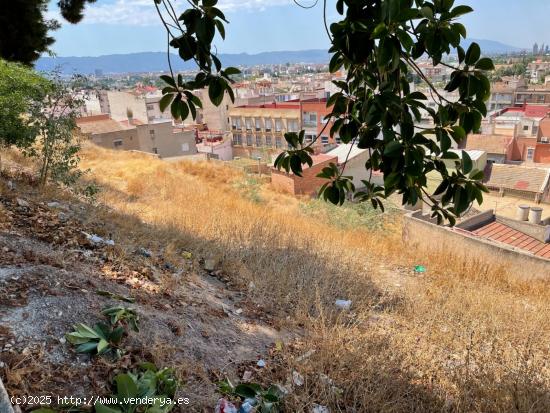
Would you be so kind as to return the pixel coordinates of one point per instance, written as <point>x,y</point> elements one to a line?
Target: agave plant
<point>122,315</point>
<point>102,339</point>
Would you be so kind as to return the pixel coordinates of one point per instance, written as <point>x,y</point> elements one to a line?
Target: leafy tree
<point>53,117</point>
<point>24,30</point>
<point>20,88</point>
<point>377,42</point>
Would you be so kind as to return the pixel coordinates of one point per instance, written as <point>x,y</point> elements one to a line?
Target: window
<point>268,141</point>
<point>248,122</point>
<point>236,123</point>
<point>150,107</point>
<point>530,154</point>
<point>117,143</point>
<point>292,125</point>
<point>338,140</point>
<point>310,119</point>
<point>268,124</point>
<point>249,140</point>
<point>258,140</point>
<point>258,122</point>
<point>185,147</point>
<point>151,118</point>
<point>309,138</point>
<point>278,125</point>
<point>152,132</point>
<point>278,142</point>
<point>155,150</point>
<point>525,127</point>
<point>237,139</point>
<point>324,140</point>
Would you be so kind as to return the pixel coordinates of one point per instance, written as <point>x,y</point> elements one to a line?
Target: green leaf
<point>165,101</point>
<point>393,149</point>
<point>102,346</point>
<point>485,64</point>
<point>215,91</point>
<point>125,385</point>
<point>90,347</point>
<point>473,54</point>
<point>460,10</point>
<point>169,79</point>
<point>466,162</point>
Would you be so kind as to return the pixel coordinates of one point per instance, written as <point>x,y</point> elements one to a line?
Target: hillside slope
<point>465,336</point>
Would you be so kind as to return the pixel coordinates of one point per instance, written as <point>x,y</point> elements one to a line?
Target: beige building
<point>258,130</point>
<point>160,138</point>
<point>214,117</point>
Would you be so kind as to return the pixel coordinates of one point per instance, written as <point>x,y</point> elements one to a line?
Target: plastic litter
<point>247,406</point>
<point>319,408</point>
<point>419,269</point>
<point>96,239</point>
<point>343,304</point>
<point>261,363</point>
<point>224,406</point>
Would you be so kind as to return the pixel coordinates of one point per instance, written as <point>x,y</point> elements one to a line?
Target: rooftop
<point>489,143</point>
<point>500,232</point>
<point>521,178</point>
<point>345,151</point>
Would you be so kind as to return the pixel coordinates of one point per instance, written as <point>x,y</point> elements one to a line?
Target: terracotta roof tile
<point>499,232</point>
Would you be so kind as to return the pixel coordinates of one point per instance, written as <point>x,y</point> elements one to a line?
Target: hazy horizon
<point>132,26</point>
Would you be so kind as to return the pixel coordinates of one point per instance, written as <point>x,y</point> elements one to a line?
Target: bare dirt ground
<point>190,318</point>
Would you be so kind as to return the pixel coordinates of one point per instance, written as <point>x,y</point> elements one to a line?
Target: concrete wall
<point>426,236</point>
<point>164,141</point>
<point>129,138</point>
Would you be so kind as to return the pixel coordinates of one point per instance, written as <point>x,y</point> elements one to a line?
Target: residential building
<point>352,160</point>
<point>520,181</point>
<point>258,130</point>
<point>159,138</point>
<point>313,113</point>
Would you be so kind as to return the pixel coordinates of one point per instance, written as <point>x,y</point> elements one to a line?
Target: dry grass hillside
<point>466,336</point>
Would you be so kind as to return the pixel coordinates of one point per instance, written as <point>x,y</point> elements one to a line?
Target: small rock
<point>62,217</point>
<point>144,252</point>
<point>54,204</point>
<point>22,203</point>
<point>2,364</point>
<point>11,186</point>
<point>261,363</point>
<point>297,378</point>
<point>247,375</point>
<point>343,304</point>
<point>239,311</point>
<point>212,263</point>
<point>62,340</point>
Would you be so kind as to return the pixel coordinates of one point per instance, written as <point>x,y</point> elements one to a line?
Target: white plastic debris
<point>224,406</point>
<point>319,408</point>
<point>96,239</point>
<point>261,363</point>
<point>297,378</point>
<point>343,304</point>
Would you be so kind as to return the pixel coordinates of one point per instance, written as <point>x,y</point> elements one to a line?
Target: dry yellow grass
<point>467,336</point>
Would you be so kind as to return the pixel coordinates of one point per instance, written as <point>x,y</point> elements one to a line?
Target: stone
<point>22,203</point>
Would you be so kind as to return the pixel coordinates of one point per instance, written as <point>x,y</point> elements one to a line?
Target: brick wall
<point>308,184</point>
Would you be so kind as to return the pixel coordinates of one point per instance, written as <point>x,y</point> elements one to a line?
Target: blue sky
<point>126,26</point>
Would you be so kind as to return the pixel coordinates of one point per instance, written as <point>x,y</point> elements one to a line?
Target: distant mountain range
<point>156,61</point>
